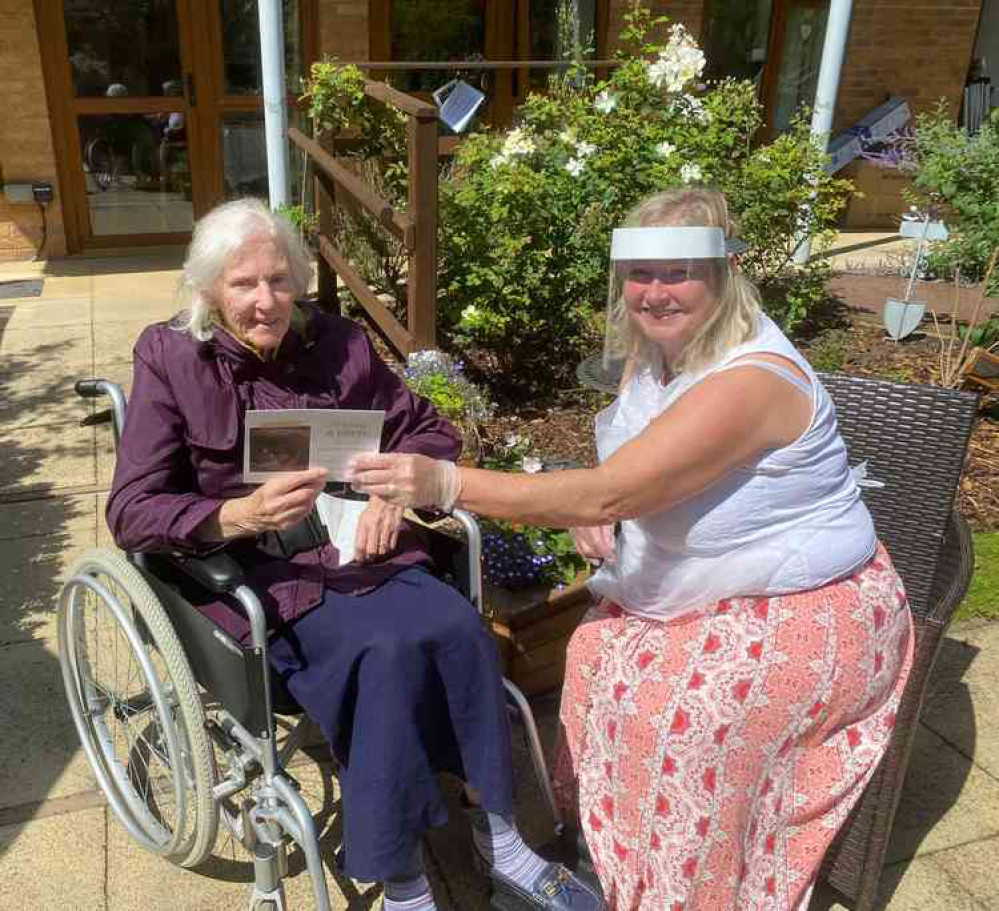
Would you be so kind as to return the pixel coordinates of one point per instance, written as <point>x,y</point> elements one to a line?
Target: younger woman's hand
<point>405,480</point>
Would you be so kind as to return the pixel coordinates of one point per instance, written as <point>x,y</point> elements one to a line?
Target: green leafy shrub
<point>304,221</point>
<point>828,352</point>
<point>515,555</point>
<point>441,380</point>
<point>958,175</point>
<point>984,335</point>
<point>526,215</point>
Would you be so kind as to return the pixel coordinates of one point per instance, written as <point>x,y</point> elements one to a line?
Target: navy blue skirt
<point>404,683</point>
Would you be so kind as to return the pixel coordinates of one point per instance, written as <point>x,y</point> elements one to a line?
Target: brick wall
<point>343,29</point>
<point>26,152</point>
<point>689,12</point>
<point>919,49</point>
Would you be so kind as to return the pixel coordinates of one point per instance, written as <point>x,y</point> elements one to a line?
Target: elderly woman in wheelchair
<point>393,664</point>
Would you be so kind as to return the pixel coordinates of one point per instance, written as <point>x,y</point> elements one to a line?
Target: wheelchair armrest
<point>218,572</point>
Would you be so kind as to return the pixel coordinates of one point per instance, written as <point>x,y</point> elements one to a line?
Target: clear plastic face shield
<point>655,275</point>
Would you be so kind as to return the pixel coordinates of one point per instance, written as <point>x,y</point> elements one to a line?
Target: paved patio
<point>60,847</point>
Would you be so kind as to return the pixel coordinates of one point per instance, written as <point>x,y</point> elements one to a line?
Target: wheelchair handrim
<point>113,778</point>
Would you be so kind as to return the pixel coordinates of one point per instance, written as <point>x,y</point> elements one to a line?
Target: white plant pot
<point>902,317</point>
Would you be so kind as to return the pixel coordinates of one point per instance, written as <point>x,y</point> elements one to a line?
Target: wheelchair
<point>178,719</point>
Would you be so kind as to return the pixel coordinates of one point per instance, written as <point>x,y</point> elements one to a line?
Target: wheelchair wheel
<point>100,161</point>
<point>137,708</point>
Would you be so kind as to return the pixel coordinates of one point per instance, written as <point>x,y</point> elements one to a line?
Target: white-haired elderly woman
<point>732,690</point>
<point>393,665</point>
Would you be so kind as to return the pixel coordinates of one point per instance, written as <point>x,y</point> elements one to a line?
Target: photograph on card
<point>280,441</point>
<point>276,449</point>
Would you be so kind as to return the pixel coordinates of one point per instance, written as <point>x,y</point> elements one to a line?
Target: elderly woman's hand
<point>275,505</point>
<point>406,480</point>
<point>595,544</point>
<point>377,530</point>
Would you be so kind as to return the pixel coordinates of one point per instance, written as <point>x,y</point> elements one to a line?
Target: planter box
<point>532,628</point>
<point>881,205</point>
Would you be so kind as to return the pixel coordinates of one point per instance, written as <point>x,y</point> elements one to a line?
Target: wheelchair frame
<point>160,626</point>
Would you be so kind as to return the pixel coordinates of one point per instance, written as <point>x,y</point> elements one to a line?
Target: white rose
<point>605,102</point>
<point>665,149</point>
<point>691,173</point>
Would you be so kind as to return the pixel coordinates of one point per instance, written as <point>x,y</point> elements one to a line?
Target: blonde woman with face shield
<point>734,687</point>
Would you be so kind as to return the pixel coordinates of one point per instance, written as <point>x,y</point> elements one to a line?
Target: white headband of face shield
<point>672,242</point>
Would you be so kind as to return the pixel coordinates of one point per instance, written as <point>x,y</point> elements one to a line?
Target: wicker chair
<point>914,439</point>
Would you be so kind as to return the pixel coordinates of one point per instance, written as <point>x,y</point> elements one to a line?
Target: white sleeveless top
<point>790,522</point>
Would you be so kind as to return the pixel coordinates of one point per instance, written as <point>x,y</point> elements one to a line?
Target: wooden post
<point>422,279</point>
<point>329,298</point>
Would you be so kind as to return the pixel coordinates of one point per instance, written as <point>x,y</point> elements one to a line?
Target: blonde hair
<point>733,320</point>
<point>216,238</point>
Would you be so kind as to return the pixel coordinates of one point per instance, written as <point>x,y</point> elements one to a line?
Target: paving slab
<point>39,750</point>
<point>960,705</point>
<point>59,286</point>
<point>104,454</point>
<point>47,458</point>
<point>136,285</point>
<point>113,341</point>
<point>137,879</point>
<point>42,313</point>
<point>33,567</point>
<point>104,538</point>
<point>54,862</point>
<point>973,869</point>
<point>947,801</point>
<point>115,309</point>
<point>67,349</point>
<point>31,400</point>
<point>119,372</point>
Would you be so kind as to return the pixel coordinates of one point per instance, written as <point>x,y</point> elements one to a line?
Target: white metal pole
<point>833,52</point>
<point>275,103</point>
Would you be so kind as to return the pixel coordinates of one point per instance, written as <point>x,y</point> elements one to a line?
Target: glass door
<point>121,85</point>
<point>232,112</point>
<point>798,34</point>
<point>157,111</point>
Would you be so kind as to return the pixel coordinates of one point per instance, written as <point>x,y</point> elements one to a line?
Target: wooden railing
<point>415,229</point>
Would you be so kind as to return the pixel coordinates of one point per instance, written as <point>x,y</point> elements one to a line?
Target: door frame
<point>200,36</point>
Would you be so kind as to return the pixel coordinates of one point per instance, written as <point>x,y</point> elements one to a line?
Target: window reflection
<point>801,57</point>
<point>451,30</point>
<point>241,46</point>
<point>736,45</point>
<point>137,173</point>
<point>122,47</point>
<point>244,155</point>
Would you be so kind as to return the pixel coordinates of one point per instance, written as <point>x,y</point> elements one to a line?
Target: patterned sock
<point>412,894</point>
<point>499,843</point>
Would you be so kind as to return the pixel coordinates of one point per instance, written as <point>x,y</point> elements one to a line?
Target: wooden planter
<point>532,628</point>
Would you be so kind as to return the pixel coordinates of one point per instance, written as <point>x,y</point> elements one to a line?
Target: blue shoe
<point>555,889</point>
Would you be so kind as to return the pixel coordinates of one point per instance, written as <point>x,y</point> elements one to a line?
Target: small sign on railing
<point>458,102</point>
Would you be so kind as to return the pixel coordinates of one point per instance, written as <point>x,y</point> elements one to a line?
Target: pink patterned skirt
<point>711,758</point>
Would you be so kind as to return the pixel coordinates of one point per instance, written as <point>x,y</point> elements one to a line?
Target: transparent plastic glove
<point>406,480</point>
